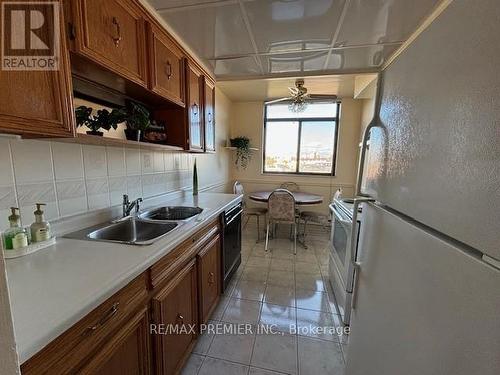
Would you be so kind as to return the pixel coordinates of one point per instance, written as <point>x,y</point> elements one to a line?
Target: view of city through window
<point>300,142</point>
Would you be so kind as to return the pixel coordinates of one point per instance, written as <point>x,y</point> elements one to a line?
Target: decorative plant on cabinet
<point>104,119</point>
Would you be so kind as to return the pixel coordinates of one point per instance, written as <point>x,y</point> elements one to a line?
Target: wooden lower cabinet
<point>126,353</point>
<point>175,316</point>
<point>209,278</point>
<point>149,326</point>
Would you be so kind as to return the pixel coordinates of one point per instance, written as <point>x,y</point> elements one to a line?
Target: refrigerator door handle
<point>374,123</point>
<point>353,244</point>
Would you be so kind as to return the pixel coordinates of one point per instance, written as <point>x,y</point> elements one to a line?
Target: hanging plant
<point>104,119</point>
<point>243,152</point>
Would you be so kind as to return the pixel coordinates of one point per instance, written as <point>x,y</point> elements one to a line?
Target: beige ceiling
<point>263,89</point>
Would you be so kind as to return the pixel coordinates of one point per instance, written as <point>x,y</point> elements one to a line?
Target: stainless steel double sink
<point>142,229</point>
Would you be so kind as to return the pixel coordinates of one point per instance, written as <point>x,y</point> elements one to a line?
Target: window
<point>301,143</point>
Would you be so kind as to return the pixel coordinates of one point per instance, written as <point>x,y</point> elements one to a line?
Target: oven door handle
<point>338,215</point>
<point>238,215</point>
<point>352,246</point>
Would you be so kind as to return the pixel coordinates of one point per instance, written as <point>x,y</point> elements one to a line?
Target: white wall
<point>247,120</point>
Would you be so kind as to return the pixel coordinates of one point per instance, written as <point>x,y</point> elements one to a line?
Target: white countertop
<point>54,288</point>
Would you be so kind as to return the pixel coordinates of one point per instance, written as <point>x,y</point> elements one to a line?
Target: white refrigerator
<point>427,291</point>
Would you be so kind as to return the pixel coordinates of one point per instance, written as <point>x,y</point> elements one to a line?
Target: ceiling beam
<point>210,4</point>
<point>246,21</point>
<point>337,32</point>
<point>311,50</point>
<point>316,73</point>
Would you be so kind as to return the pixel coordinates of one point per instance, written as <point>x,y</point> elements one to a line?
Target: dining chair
<point>249,211</point>
<point>281,210</point>
<point>290,186</point>
<point>311,217</point>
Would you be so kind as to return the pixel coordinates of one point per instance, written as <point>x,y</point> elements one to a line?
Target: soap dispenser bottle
<point>40,229</point>
<point>15,237</point>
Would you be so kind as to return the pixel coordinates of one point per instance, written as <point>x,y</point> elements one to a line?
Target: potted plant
<point>137,121</point>
<point>243,152</point>
<point>104,119</point>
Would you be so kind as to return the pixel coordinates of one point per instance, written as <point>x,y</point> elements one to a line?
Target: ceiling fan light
<point>297,106</point>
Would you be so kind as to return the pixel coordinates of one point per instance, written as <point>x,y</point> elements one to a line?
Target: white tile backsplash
<point>7,197</point>
<point>133,161</point>
<point>94,161</point>
<point>97,193</point>
<point>147,160</point>
<point>158,163</point>
<point>32,161</point>
<point>169,161</point>
<point>116,161</point>
<point>68,161</point>
<point>6,176</point>
<point>72,178</point>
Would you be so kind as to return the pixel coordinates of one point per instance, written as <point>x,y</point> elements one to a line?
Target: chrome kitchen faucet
<point>128,206</point>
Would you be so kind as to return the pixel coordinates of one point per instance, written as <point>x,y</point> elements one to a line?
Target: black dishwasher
<point>231,251</point>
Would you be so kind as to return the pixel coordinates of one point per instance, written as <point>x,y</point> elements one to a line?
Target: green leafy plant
<point>137,116</point>
<point>103,119</point>
<point>243,152</point>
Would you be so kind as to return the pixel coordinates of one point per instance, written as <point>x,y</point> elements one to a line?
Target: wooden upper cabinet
<point>38,103</point>
<point>209,115</point>
<point>209,277</point>
<point>194,80</point>
<point>111,33</point>
<point>166,66</point>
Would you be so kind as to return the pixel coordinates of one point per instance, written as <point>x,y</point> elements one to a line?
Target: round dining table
<point>301,198</point>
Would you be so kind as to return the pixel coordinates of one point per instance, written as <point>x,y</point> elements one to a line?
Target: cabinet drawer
<point>166,66</point>
<point>209,277</point>
<point>111,33</point>
<point>66,352</point>
<point>167,266</point>
<point>175,309</point>
<point>127,352</point>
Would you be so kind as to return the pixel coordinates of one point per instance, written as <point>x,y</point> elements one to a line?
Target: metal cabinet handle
<point>117,39</point>
<point>109,314</point>
<point>195,109</point>
<point>211,278</point>
<point>168,70</point>
<point>180,318</point>
<point>209,116</point>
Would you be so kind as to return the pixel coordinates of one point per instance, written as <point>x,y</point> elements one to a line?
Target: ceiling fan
<point>299,97</point>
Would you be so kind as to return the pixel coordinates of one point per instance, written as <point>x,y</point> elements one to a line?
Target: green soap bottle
<point>15,237</point>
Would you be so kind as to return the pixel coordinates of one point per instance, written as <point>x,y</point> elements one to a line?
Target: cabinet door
<point>209,116</point>
<point>195,109</point>
<point>175,312</point>
<point>127,352</point>
<point>209,277</point>
<point>111,33</point>
<point>38,102</point>
<point>166,66</point>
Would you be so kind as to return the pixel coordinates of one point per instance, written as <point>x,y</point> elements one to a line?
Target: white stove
<point>341,270</point>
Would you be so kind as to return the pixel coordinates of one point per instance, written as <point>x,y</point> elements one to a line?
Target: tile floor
<point>279,289</point>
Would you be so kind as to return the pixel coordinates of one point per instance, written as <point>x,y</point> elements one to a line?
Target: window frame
<point>299,138</point>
